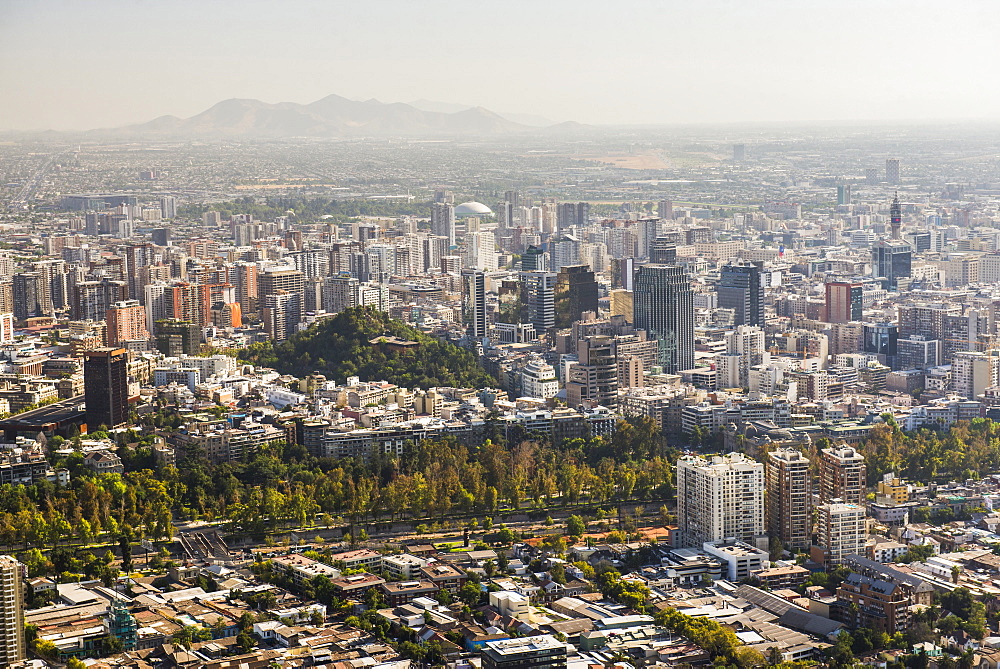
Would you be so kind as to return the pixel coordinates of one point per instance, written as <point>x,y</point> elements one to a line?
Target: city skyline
<point>712,62</point>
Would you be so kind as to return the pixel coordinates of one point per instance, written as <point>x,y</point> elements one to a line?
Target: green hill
<point>342,346</point>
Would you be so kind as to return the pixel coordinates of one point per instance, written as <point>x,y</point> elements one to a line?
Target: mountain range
<point>332,116</point>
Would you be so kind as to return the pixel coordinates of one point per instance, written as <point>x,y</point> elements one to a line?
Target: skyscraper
<point>892,171</point>
<point>880,339</point>
<point>665,210</point>
<point>576,292</point>
<point>105,381</point>
<point>662,251</point>
<point>844,194</point>
<point>534,258</point>
<point>168,206</point>
<point>842,475</point>
<point>891,261</point>
<point>443,221</point>
<point>895,216</point>
<point>593,381</point>
<point>664,308</point>
<point>844,302</point>
<point>290,281</point>
<point>789,497</point>
<point>538,295</point>
<point>719,499</point>
<point>474,302</point>
<point>11,611</point>
<point>28,295</point>
<point>741,289</point>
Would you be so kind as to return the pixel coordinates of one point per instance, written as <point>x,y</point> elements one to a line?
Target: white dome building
<point>472,209</point>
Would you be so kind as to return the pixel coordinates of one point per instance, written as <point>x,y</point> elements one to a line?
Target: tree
<point>470,594</point>
<point>575,526</point>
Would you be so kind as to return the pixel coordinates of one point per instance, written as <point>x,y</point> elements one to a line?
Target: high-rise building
<point>474,302</point>
<point>871,176</point>
<point>789,498</point>
<point>593,381</point>
<point>534,258</point>
<point>12,646</point>
<point>842,474</point>
<point>28,295</point>
<point>126,322</point>
<point>623,273</point>
<point>176,337</point>
<point>105,382</point>
<point>880,339</point>
<point>665,210</point>
<point>841,530</point>
<point>844,194</point>
<point>6,328</point>
<point>92,299</point>
<point>168,206</point>
<point>538,295</point>
<point>739,152</point>
<point>844,302</point>
<point>288,280</point>
<point>745,347</point>
<point>664,307</point>
<point>721,498</point>
<point>891,261</point>
<point>892,171</point>
<point>741,289</point>
<point>895,217</point>
<point>280,314</point>
<point>663,251</point>
<point>576,292</point>
<point>443,221</point>
<point>972,372</point>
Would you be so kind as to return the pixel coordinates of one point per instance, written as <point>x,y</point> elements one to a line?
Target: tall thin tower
<point>896,216</point>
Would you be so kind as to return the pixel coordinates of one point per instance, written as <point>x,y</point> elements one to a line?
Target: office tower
<point>126,322</point>
<point>789,498</point>
<point>891,261</point>
<point>576,292</point>
<point>569,214</point>
<point>443,221</point>
<point>841,530</point>
<point>918,352</point>
<point>53,283</point>
<point>880,339</point>
<point>622,305</point>
<point>28,295</point>
<point>281,314</point>
<point>444,196</point>
<point>92,299</point>
<point>741,289</point>
<point>664,308</point>
<point>973,372</point>
<point>842,475</point>
<point>623,273</point>
<point>533,652</point>
<point>539,298</point>
<point>176,337</point>
<point>12,647</point>
<point>513,197</point>
<point>593,381</point>
<point>646,231</point>
<point>844,302</point>
<point>565,251</point>
<point>105,381</point>
<point>665,210</point>
<point>211,219</point>
<point>892,171</point>
<point>533,259</point>
<point>844,194</point>
<point>871,176</point>
<point>160,236</point>
<point>895,216</point>
<point>662,251</point>
<point>739,152</point>
<point>721,498</point>
<point>168,206</point>
<point>474,302</point>
<point>245,234</point>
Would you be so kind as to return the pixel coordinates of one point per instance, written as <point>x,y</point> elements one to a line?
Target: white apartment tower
<point>721,498</point>
<point>11,611</point>
<point>842,530</point>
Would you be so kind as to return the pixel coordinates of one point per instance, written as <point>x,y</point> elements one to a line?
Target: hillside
<point>339,347</point>
<point>333,116</point>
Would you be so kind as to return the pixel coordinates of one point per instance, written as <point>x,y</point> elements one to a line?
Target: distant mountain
<point>450,108</point>
<point>333,116</point>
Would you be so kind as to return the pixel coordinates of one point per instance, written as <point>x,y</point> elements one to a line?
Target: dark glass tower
<point>105,385</point>
<point>891,261</point>
<point>741,290</point>
<point>664,308</point>
<point>576,292</point>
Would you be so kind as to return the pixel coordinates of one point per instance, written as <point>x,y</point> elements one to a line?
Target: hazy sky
<point>75,64</point>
